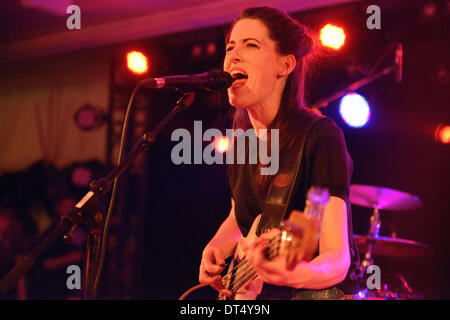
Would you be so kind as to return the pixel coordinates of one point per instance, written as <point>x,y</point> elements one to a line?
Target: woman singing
<point>271,49</point>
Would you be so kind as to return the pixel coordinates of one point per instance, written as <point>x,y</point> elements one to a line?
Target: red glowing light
<point>222,144</point>
<point>137,62</point>
<point>211,48</point>
<point>332,36</point>
<point>196,51</point>
<point>442,134</point>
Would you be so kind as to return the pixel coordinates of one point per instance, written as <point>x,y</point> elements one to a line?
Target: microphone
<point>212,80</point>
<point>398,72</point>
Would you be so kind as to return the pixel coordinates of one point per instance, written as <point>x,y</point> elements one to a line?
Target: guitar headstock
<point>316,199</point>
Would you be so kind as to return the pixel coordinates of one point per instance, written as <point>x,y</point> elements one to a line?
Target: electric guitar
<point>297,241</point>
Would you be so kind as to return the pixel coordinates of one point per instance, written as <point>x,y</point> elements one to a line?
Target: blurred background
<point>63,95</point>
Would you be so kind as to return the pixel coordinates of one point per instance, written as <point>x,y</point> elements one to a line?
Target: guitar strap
<point>283,185</point>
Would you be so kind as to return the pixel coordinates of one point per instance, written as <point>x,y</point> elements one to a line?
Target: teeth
<point>238,75</point>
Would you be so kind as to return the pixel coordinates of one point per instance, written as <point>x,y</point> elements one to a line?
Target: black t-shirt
<point>325,163</point>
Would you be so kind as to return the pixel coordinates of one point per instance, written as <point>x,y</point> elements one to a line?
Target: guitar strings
<point>235,271</point>
<point>244,277</point>
<point>247,275</point>
<point>273,242</point>
<point>241,277</point>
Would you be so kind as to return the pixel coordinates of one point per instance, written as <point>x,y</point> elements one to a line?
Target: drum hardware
<point>380,198</point>
<point>378,294</point>
<point>383,198</point>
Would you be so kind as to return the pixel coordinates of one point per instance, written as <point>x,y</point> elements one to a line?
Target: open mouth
<point>239,78</point>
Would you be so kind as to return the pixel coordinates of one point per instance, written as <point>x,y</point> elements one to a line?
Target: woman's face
<point>250,51</point>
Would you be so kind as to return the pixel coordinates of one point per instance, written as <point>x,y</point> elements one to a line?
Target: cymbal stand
<point>374,230</point>
<point>375,224</point>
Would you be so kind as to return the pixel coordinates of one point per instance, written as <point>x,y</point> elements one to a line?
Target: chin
<point>238,106</point>
<point>238,103</point>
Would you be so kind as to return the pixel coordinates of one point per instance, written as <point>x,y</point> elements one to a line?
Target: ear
<point>286,65</point>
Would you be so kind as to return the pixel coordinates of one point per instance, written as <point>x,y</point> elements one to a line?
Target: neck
<point>261,118</point>
<point>262,114</point>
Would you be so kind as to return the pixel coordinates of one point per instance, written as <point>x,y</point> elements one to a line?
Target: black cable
<point>188,292</point>
<point>114,191</point>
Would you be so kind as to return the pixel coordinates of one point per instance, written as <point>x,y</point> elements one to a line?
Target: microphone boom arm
<point>322,103</point>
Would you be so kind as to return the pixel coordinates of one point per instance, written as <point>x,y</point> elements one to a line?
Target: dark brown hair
<point>290,37</point>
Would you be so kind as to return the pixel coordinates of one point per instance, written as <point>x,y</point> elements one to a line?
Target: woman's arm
<point>228,234</point>
<point>327,269</point>
<point>217,250</point>
<point>331,265</point>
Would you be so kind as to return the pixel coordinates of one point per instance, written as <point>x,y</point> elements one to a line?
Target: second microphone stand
<point>87,210</point>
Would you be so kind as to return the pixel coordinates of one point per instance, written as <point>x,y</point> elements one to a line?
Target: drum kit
<point>373,245</point>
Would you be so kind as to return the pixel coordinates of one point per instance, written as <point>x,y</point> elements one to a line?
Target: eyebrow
<point>244,40</point>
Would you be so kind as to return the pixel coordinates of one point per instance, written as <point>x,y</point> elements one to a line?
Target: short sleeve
<point>332,166</point>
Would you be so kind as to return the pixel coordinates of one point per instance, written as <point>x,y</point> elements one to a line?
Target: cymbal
<point>390,247</point>
<point>383,198</point>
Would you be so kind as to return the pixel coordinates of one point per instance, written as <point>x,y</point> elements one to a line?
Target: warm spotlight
<point>442,134</point>
<point>355,110</point>
<point>222,144</point>
<point>332,36</point>
<point>137,62</point>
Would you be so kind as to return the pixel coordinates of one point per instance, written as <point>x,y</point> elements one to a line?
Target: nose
<point>234,55</point>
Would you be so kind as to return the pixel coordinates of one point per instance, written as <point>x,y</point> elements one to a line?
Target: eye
<point>252,45</point>
<point>229,48</point>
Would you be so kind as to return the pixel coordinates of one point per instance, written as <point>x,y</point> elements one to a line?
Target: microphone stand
<point>322,103</point>
<point>87,210</point>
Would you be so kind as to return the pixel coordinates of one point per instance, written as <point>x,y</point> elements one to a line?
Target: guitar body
<point>297,241</point>
<point>300,245</point>
<point>251,288</point>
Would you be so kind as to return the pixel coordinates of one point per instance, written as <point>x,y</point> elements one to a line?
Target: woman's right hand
<point>211,266</point>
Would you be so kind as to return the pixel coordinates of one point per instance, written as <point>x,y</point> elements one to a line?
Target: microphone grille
<point>221,79</point>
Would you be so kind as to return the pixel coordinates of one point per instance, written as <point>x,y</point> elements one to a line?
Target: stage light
<point>332,36</point>
<point>442,134</point>
<point>137,62</point>
<point>354,110</point>
<point>81,176</point>
<point>211,49</point>
<point>429,10</point>
<point>196,51</point>
<point>222,144</point>
<point>88,118</point>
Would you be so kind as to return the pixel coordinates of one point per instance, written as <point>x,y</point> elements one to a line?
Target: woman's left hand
<point>274,271</point>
